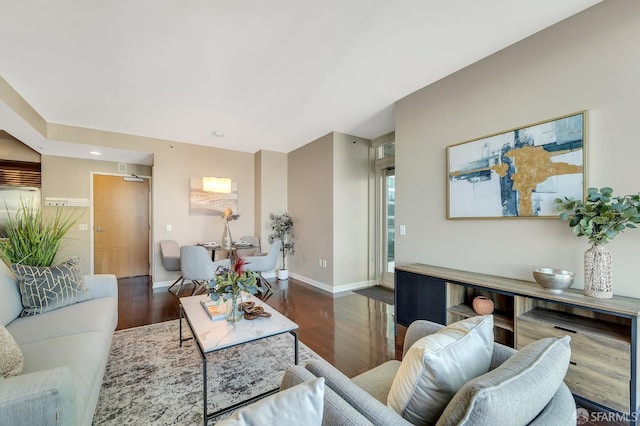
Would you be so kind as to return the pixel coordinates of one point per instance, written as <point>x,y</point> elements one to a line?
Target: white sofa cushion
<point>300,404</point>
<point>11,359</point>
<point>92,315</point>
<point>438,365</point>
<point>516,391</point>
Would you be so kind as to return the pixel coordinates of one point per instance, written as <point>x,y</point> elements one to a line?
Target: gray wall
<point>588,62</point>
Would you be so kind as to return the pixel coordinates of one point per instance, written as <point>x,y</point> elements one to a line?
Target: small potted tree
<point>282,229</point>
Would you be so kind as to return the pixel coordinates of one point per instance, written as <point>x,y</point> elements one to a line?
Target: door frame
<point>92,223</point>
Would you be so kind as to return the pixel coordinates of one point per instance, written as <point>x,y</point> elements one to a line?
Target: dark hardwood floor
<point>352,332</point>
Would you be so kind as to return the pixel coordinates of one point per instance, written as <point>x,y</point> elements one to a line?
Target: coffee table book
<point>214,310</point>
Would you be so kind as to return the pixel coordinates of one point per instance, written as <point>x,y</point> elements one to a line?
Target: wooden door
<point>121,226</point>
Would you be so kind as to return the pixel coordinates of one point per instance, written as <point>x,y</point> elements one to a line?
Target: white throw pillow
<point>438,365</point>
<point>11,358</point>
<point>300,404</point>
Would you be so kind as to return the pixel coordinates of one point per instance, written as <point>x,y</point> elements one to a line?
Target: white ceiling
<point>270,74</point>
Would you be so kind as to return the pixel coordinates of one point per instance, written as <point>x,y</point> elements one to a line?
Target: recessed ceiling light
<point>218,134</point>
<point>95,153</point>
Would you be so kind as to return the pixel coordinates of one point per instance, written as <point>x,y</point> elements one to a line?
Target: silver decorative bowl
<point>555,280</point>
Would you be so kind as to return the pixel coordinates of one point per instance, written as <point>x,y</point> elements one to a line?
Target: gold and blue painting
<point>519,172</point>
<point>203,201</point>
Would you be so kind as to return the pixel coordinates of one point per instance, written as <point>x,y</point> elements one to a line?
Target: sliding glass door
<point>389,234</point>
<point>385,211</point>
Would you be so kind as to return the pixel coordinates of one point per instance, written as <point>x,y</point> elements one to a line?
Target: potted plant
<point>600,218</point>
<point>31,238</point>
<point>282,229</point>
<point>229,284</point>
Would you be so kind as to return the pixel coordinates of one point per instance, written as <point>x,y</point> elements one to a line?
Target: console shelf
<point>499,320</point>
<point>604,332</point>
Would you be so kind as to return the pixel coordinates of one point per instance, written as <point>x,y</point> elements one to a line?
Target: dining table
<point>231,251</point>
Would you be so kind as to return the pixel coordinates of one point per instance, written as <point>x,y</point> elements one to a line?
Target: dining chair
<point>170,255</point>
<point>197,266</point>
<point>251,251</point>
<point>266,263</point>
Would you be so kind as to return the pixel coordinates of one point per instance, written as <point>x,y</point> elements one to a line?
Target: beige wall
<point>350,211</point>
<point>173,165</point>
<point>587,62</point>
<point>329,202</point>
<point>13,149</point>
<point>271,191</point>
<point>310,195</point>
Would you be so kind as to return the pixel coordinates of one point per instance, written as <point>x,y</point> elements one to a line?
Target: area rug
<point>378,292</point>
<point>151,380</point>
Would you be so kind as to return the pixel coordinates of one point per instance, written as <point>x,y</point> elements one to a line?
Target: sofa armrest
<point>102,285</point>
<point>501,353</point>
<point>336,411</point>
<point>560,411</point>
<point>417,330</point>
<point>41,398</point>
<point>375,411</point>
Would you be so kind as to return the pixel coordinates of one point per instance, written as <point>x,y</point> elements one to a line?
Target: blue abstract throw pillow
<point>44,289</point>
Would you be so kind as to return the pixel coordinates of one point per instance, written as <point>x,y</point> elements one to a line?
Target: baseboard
<point>332,289</point>
<point>162,284</point>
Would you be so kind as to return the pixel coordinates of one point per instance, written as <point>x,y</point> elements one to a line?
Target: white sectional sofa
<point>65,354</point>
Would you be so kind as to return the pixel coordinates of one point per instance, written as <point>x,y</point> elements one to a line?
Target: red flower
<point>239,266</point>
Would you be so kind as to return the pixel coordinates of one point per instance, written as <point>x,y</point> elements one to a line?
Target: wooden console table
<point>603,372</point>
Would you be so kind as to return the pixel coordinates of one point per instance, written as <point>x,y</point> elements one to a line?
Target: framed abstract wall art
<point>203,202</point>
<point>519,172</point>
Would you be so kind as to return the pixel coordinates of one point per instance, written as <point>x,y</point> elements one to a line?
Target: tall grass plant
<point>32,238</point>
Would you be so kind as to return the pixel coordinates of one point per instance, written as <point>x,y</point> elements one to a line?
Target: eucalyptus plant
<point>602,216</point>
<point>282,229</point>
<point>33,239</point>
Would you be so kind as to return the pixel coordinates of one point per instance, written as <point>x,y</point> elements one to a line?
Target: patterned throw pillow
<point>11,358</point>
<point>44,289</point>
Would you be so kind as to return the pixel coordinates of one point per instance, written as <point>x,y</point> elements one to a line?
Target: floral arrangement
<point>282,227</point>
<point>228,214</point>
<point>601,217</point>
<point>229,283</point>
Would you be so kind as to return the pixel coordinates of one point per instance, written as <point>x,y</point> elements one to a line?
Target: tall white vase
<point>598,272</point>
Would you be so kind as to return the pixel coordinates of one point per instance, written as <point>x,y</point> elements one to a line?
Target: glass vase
<point>226,237</point>
<point>234,313</point>
<point>598,272</point>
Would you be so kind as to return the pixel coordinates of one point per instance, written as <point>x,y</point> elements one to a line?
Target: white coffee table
<point>214,335</point>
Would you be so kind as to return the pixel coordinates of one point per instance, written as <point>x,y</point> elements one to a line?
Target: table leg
<point>204,385</point>
<point>180,325</point>
<point>295,345</point>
